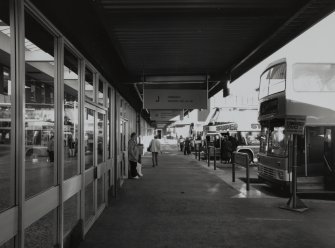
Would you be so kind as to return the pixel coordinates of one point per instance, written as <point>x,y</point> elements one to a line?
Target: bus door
<point>315,151</point>
<point>329,157</point>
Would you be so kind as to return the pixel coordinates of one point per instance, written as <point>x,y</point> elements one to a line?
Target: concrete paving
<point>183,203</point>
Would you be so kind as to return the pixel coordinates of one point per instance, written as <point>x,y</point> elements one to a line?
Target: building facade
<point>63,134</point>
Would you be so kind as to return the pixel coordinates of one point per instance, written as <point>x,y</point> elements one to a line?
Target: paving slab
<point>181,203</point>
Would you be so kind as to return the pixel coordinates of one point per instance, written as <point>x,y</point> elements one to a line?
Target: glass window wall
<point>89,85</point>
<point>42,233</point>
<point>100,191</point>
<point>39,108</point>
<point>101,93</point>
<point>71,213</point>
<point>7,169</point>
<point>108,123</point>
<point>101,133</point>
<point>9,244</point>
<point>89,202</point>
<point>71,114</point>
<point>89,137</point>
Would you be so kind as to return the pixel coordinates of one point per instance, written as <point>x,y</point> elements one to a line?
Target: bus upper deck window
<point>314,77</point>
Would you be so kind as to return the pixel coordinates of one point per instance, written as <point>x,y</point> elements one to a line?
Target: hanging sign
<point>163,115</point>
<point>295,124</point>
<point>174,99</point>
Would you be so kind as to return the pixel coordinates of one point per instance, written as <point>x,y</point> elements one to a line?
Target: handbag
<point>149,148</point>
<point>139,169</point>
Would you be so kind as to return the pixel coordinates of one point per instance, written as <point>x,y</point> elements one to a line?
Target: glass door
<point>124,147</point>
<point>89,157</point>
<point>329,156</point>
<point>94,157</point>
<point>315,151</point>
<point>100,151</point>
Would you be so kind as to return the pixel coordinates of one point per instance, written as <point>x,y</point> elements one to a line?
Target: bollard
<point>233,169</point>
<point>248,176</point>
<point>199,152</point>
<point>220,155</point>
<point>214,158</point>
<point>208,156</point>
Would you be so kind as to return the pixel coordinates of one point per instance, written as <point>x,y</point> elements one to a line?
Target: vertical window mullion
<point>59,99</point>
<point>82,69</point>
<point>19,79</point>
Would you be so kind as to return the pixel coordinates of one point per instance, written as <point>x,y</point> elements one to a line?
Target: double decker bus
<point>298,87</point>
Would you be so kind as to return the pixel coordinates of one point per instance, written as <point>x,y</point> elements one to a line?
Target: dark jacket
<point>227,149</point>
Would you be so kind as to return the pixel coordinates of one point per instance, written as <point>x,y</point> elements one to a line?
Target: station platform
<point>185,203</point>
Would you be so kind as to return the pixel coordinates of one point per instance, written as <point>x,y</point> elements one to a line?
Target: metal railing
<point>241,159</point>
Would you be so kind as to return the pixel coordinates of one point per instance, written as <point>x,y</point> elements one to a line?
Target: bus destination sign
<point>295,124</point>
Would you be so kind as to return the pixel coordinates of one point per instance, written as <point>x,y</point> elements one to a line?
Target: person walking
<point>187,148</point>
<point>155,149</point>
<point>133,156</point>
<point>181,143</point>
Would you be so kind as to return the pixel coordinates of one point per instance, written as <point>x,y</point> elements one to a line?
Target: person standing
<point>227,148</point>
<point>155,149</point>
<point>71,144</point>
<point>234,144</point>
<point>51,149</point>
<point>133,156</point>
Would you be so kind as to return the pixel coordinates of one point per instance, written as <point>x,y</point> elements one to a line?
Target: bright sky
<point>319,39</point>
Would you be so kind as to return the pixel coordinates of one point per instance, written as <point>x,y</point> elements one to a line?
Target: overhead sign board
<point>295,124</point>
<point>163,115</point>
<point>174,99</point>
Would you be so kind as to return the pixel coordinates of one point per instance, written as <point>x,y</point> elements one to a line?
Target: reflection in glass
<point>100,192</point>
<point>277,79</point>
<point>39,108</point>
<point>277,141</point>
<point>108,124</point>
<point>89,137</point>
<point>9,244</point>
<point>101,93</point>
<point>7,169</point>
<point>250,138</point>
<point>89,87</point>
<point>101,134</point>
<point>42,233</point>
<point>89,202</point>
<point>273,80</point>
<point>71,114</point>
<point>71,213</point>
<point>314,77</point>
<point>264,140</point>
